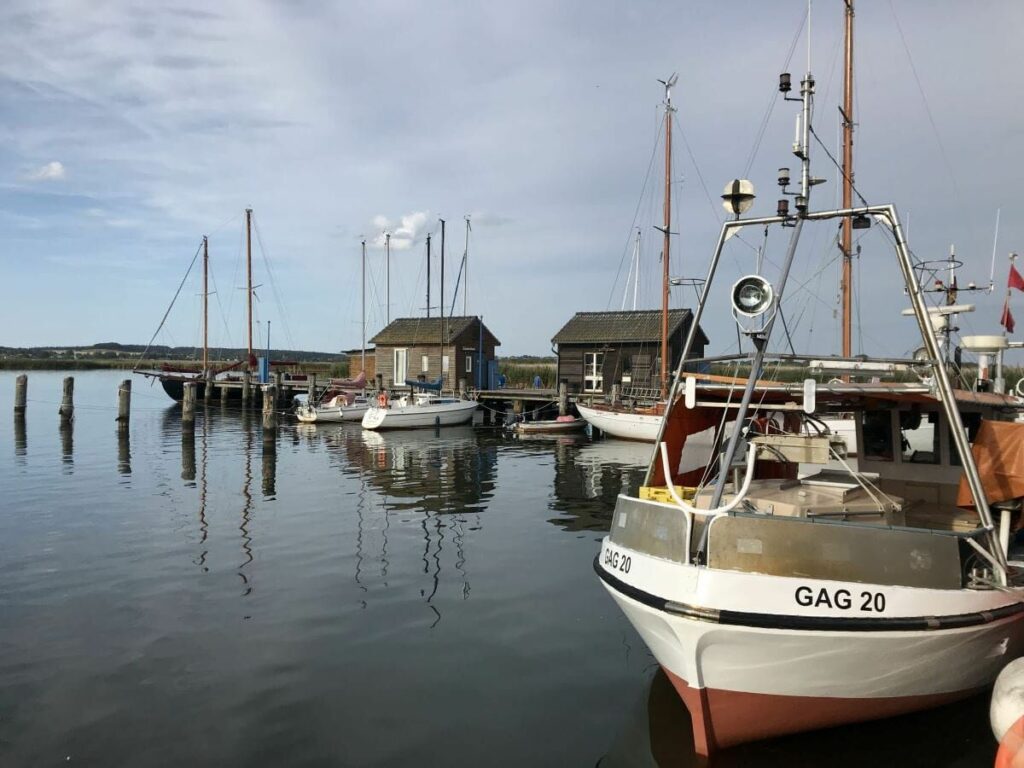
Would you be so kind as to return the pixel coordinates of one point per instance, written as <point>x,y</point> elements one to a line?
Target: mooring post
<point>188,406</point>
<point>224,393</point>
<point>278,383</point>
<point>208,387</point>
<point>312,389</point>
<point>563,399</point>
<point>246,394</point>
<point>67,403</point>
<point>269,409</point>
<point>124,404</point>
<point>517,407</point>
<point>20,393</point>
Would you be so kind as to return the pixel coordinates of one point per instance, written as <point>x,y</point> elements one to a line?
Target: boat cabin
<point>599,350</point>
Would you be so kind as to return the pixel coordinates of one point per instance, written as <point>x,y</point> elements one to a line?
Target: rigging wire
<point>180,286</point>
<point>273,285</point>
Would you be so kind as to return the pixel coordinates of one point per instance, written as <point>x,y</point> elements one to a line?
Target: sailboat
<point>173,379</point>
<point>424,405</point>
<point>636,421</point>
<point>782,589</point>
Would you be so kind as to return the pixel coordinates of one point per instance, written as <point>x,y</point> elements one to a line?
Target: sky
<point>128,130</point>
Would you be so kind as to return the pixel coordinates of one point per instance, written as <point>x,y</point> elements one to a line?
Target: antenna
<point>809,35</point>
<point>995,242</point>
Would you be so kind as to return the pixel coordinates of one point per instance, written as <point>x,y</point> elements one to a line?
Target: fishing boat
<point>783,589</point>
<point>560,425</point>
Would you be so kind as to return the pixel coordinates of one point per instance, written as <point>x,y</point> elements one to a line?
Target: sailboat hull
<point>626,424</point>
<point>417,416</point>
<point>768,670</point>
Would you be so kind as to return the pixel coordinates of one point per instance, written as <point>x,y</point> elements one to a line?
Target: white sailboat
<point>777,603</point>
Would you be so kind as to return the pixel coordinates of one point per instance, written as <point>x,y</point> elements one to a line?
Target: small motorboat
<point>420,409</point>
<point>560,426</point>
<point>337,408</point>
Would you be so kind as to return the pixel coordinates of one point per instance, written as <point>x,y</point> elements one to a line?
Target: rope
<point>168,312</point>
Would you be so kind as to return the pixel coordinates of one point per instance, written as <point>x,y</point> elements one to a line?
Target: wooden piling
<point>20,393</point>
<point>246,393</point>
<point>563,399</point>
<point>67,403</point>
<point>312,389</point>
<point>124,452</point>
<point>269,409</point>
<point>278,379</point>
<point>224,394</point>
<point>188,406</point>
<point>124,404</point>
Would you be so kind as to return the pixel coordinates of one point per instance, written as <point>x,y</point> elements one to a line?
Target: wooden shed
<point>599,349</point>
<point>413,347</point>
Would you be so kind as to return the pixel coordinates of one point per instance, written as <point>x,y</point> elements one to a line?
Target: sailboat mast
<point>206,317</point>
<point>248,272</point>
<point>428,274</point>
<point>636,268</point>
<point>667,233</point>
<point>442,302</point>
<point>465,264</point>
<point>387,271</point>
<point>362,351</point>
<point>847,232</point>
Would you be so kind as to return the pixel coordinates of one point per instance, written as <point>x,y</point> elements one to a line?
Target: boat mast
<point>465,265</point>
<point>362,351</point>
<point>847,232</point>
<point>428,274</point>
<point>206,296</point>
<point>387,271</point>
<point>667,233</point>
<point>442,303</point>
<point>248,271</point>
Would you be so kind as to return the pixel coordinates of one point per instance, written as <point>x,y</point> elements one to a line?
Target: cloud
<point>52,171</point>
<point>404,234</point>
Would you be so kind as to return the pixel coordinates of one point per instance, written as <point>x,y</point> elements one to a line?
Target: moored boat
<point>417,410</point>
<point>558,426</point>
<point>782,589</point>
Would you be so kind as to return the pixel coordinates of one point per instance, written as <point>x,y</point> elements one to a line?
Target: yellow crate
<point>650,493</point>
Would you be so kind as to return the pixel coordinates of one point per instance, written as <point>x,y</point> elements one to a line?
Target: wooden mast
<point>465,273</point>
<point>387,271</point>
<point>248,271</point>
<point>847,233</point>
<point>667,233</point>
<point>206,295</point>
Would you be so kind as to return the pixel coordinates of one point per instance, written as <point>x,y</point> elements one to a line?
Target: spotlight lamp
<point>752,296</point>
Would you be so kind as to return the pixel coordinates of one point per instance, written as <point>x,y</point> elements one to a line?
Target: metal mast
<point>847,230</point>
<point>442,302</point>
<point>667,232</point>
<point>387,269</point>
<point>465,264</point>
<point>428,274</point>
<point>206,295</point>
<point>248,271</point>
<point>362,352</point>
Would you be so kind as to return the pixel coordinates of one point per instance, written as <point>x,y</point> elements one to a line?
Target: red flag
<point>1015,280</point>
<point>1007,319</point>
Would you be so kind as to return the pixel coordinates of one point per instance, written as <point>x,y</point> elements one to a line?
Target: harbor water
<point>336,597</point>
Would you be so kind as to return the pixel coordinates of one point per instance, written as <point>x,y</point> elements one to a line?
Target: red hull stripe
<point>819,623</point>
<point>726,718</point>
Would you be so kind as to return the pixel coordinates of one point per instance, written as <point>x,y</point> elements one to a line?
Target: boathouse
<point>418,347</point>
<point>597,350</point>
<point>355,362</point>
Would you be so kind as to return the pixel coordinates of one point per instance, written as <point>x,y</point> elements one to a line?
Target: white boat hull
<point>414,416</point>
<point>331,413</point>
<point>625,424</point>
<point>750,661</point>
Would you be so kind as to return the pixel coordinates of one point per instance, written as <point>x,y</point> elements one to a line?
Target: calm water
<point>338,598</point>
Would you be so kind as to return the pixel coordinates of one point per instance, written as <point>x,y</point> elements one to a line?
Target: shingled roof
<point>421,331</point>
<point>622,327</point>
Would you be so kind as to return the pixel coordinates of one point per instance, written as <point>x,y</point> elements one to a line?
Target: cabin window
<point>425,363</point>
<point>877,430</point>
<point>593,372</point>
<point>919,437</point>
<point>469,363</point>
<point>400,372</point>
<point>972,422</point>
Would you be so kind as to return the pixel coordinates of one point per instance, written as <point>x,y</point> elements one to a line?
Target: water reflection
<point>67,445</point>
<point>247,505</point>
<point>590,475</point>
<point>124,453</point>
<point>204,528</point>
<point>20,437</point>
<point>188,455</point>
<point>269,468</point>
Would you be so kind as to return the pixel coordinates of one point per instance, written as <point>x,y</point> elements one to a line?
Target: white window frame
<point>424,363</point>
<point>469,363</point>
<point>400,371</point>
<point>444,363</point>
<point>593,372</point>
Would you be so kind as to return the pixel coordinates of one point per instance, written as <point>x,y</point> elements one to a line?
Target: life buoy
<point>382,399</point>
